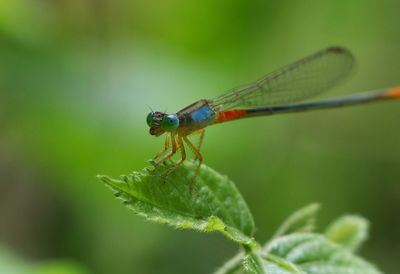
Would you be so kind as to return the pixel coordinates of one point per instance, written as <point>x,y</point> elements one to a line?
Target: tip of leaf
<point>101,177</point>
<point>105,179</point>
<point>350,231</point>
<point>302,220</point>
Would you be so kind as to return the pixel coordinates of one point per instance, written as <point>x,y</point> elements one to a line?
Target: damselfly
<point>273,94</point>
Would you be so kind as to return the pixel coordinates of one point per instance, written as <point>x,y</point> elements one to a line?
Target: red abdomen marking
<point>394,93</point>
<point>230,115</point>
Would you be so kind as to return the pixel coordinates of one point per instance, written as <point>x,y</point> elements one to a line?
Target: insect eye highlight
<point>170,122</point>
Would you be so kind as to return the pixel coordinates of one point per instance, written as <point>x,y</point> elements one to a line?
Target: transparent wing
<point>298,81</point>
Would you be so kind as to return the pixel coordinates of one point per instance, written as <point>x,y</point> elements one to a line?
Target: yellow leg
<point>199,158</point>
<point>202,131</point>
<point>201,139</point>
<point>175,147</point>
<point>166,146</point>
<point>183,150</point>
<point>183,154</point>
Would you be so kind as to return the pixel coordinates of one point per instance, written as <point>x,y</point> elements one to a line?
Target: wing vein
<point>295,82</point>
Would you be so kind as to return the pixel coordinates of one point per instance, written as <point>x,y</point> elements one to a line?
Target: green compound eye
<point>170,122</point>
<point>149,119</point>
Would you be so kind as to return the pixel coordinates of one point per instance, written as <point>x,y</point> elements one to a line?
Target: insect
<point>275,93</point>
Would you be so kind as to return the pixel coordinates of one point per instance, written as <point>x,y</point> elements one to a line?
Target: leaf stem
<point>231,266</point>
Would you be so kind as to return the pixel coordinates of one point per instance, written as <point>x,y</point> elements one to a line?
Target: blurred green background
<point>76,77</point>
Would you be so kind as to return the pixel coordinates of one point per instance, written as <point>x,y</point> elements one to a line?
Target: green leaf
<point>350,231</point>
<point>278,265</point>
<point>302,220</point>
<point>315,254</point>
<point>310,253</point>
<point>215,205</point>
<point>252,264</point>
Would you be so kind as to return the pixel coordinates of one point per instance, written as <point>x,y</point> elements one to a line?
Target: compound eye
<point>170,122</point>
<point>150,119</point>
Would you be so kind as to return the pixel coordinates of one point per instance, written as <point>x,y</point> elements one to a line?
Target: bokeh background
<point>76,80</point>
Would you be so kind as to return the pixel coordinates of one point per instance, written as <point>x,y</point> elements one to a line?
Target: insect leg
<point>183,154</point>
<point>166,146</point>
<point>202,131</point>
<point>199,158</point>
<point>175,147</point>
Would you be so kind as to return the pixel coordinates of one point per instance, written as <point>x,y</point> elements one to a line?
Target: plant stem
<point>231,266</point>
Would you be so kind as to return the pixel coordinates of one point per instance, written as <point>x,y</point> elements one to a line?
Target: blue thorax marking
<point>203,115</point>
